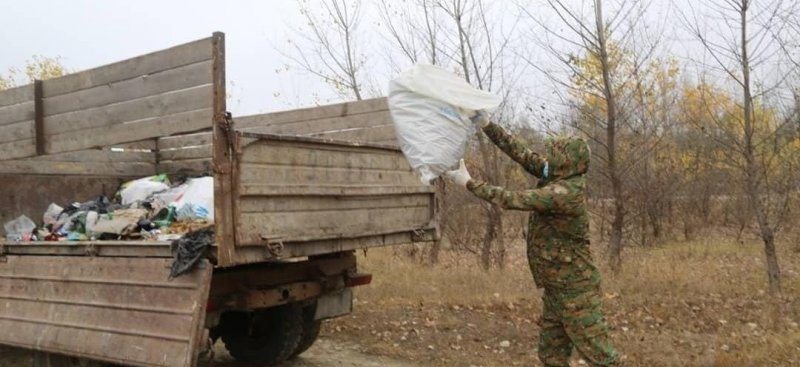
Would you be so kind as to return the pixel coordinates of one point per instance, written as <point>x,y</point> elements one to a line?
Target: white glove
<point>460,176</point>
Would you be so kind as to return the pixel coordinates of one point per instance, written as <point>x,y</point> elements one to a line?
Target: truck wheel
<point>44,359</point>
<point>263,337</point>
<point>311,330</point>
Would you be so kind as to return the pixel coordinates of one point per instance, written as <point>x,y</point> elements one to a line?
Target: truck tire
<point>44,359</point>
<point>263,337</point>
<point>311,329</point>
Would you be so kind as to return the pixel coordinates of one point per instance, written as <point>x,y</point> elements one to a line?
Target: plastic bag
<point>140,189</point>
<point>197,201</point>
<point>51,215</point>
<point>19,229</point>
<point>431,109</point>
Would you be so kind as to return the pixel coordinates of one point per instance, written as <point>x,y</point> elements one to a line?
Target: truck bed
<point>313,184</point>
<point>287,184</point>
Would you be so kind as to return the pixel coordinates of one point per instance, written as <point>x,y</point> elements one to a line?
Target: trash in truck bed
<point>149,208</point>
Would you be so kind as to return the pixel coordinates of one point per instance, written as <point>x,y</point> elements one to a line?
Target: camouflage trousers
<point>574,319</point>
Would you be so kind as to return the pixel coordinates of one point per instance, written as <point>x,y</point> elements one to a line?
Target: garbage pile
<point>149,208</point>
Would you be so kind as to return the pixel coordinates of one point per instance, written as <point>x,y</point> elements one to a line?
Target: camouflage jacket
<point>558,228</point>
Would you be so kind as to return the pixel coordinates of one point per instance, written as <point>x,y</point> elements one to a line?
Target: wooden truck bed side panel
<point>299,191</point>
<point>120,310</point>
<point>153,95</point>
<point>314,196</point>
<point>17,123</point>
<point>365,121</point>
<point>69,125</point>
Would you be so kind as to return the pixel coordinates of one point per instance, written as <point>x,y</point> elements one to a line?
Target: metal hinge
<point>225,122</point>
<point>418,235</point>
<point>274,246</point>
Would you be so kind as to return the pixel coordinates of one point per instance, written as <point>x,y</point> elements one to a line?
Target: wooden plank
<point>313,113</point>
<point>17,131</point>
<point>392,142</point>
<point>250,138</point>
<point>309,155</point>
<point>197,152</point>
<point>186,140</point>
<point>74,309</point>
<point>138,109</point>
<point>188,166</point>
<point>100,155</point>
<point>136,130</point>
<point>312,248</point>
<point>16,95</point>
<point>225,215</point>
<point>319,126</point>
<point>109,309</point>
<point>374,134</point>
<point>34,167</point>
<point>293,175</point>
<point>331,190</point>
<point>17,112</point>
<point>38,117</point>
<point>252,254</point>
<point>179,78</point>
<point>294,226</point>
<point>17,149</point>
<point>290,204</point>
<point>185,54</point>
<point>147,144</point>
<point>83,248</point>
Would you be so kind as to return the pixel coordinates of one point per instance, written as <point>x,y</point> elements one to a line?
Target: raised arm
<point>516,149</point>
<point>565,197</point>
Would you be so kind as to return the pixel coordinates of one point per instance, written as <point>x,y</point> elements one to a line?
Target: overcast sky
<point>89,33</point>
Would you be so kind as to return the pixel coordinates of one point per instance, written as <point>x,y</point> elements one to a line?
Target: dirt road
<point>325,353</point>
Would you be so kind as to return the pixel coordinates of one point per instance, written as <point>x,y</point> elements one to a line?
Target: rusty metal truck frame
<point>282,181</point>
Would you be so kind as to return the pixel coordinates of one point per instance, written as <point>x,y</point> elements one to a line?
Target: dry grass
<point>455,280</point>
<point>703,303</point>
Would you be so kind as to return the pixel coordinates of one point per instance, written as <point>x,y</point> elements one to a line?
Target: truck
<point>296,193</point>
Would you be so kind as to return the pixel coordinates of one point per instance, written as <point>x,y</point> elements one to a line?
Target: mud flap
<point>118,310</point>
<point>334,304</point>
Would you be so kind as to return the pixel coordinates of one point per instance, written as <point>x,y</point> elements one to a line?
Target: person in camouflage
<point>558,245</point>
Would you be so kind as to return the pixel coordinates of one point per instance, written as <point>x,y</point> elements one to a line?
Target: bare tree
<point>602,61</point>
<point>465,36</point>
<point>415,29</point>
<point>750,47</point>
<point>328,46</point>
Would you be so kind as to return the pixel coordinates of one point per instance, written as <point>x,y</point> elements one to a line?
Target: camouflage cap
<point>566,157</point>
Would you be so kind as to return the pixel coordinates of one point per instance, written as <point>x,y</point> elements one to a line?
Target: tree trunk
<point>766,231</point>
<point>615,240</point>
<point>751,173</point>
<point>500,257</point>
<point>615,243</point>
<point>773,268</point>
<point>489,236</point>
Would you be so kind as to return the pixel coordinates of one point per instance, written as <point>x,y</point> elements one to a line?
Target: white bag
<point>139,190</point>
<point>197,201</point>
<point>431,109</point>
